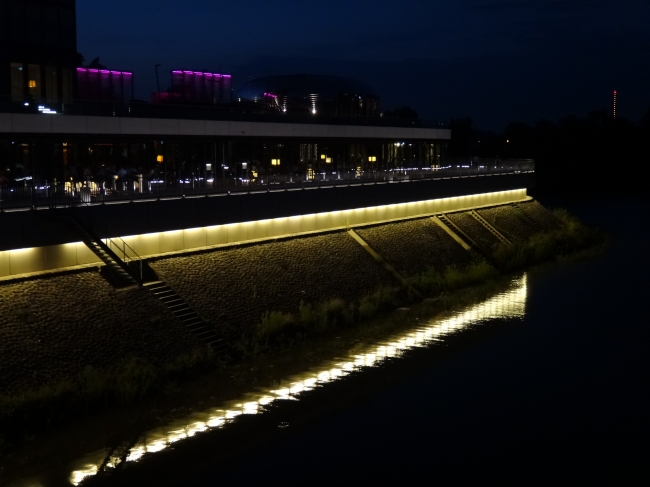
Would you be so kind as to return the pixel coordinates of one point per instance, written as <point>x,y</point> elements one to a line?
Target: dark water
<point>545,382</point>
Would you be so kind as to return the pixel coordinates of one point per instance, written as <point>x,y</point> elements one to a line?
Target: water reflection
<point>508,304</point>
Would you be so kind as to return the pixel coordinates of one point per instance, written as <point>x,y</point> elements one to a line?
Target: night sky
<point>497,61</point>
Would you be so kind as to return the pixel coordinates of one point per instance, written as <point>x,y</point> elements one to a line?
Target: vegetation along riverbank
<point>72,343</point>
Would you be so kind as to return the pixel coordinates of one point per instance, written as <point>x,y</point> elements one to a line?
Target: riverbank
<point>75,344</point>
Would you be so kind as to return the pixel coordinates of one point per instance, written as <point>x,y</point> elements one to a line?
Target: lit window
<point>160,158</point>
<point>275,162</point>
<point>32,83</point>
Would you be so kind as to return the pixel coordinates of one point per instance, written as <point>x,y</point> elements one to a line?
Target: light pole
<point>157,80</point>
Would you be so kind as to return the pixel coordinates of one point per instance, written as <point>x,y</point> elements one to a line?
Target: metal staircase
<point>524,214</point>
<point>188,317</point>
<point>490,228</point>
<point>120,272</point>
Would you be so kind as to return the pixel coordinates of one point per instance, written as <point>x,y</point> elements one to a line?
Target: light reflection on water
<point>508,304</point>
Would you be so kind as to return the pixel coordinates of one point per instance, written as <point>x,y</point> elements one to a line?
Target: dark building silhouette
<point>38,51</point>
<point>316,94</point>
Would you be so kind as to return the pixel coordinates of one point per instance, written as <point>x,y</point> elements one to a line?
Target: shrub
<point>568,239</point>
<point>432,282</point>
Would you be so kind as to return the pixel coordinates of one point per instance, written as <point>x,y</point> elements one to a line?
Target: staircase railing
<point>122,248</point>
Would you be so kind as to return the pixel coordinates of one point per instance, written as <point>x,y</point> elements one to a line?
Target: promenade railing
<point>33,194</point>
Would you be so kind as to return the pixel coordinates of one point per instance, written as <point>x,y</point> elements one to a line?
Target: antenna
<point>614,106</point>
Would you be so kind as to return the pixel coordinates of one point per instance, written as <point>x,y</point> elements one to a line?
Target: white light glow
<point>508,304</point>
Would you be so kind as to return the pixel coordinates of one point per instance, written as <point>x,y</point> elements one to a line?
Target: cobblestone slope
<point>234,287</point>
<point>540,214</point>
<point>51,328</point>
<point>414,246</point>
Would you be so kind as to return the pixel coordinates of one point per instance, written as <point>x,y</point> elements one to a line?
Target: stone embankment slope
<point>233,288</point>
<point>508,222</point>
<point>415,246</point>
<point>51,328</point>
<point>541,215</point>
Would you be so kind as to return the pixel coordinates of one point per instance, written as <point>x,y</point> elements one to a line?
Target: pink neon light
<point>116,72</point>
<point>82,69</point>
<point>125,73</point>
<point>201,73</point>
<point>103,71</point>
<point>94,70</point>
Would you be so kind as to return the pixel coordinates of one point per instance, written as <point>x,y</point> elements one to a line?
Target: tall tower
<point>614,106</point>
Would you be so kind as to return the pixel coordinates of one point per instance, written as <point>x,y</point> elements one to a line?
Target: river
<point>545,381</point>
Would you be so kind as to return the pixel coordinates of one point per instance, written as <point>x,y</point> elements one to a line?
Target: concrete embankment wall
<point>54,257</point>
<point>51,327</point>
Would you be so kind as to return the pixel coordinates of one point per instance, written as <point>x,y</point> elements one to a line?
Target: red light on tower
<point>614,107</point>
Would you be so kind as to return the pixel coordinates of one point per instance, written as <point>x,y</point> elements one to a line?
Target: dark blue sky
<point>494,60</point>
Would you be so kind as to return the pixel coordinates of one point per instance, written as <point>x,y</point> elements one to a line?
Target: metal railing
<point>121,249</point>
<point>91,191</point>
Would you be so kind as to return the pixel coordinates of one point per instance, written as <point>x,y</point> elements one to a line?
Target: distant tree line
<point>595,154</point>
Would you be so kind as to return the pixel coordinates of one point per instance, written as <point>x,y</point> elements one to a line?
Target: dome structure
<point>315,94</point>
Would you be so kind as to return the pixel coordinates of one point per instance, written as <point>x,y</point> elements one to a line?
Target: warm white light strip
<point>165,243</point>
<point>57,257</point>
<point>509,304</point>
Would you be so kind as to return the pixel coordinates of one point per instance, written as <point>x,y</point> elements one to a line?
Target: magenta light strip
<point>201,73</point>
<point>104,71</point>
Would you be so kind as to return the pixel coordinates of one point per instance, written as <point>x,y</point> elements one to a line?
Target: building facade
<point>38,51</point>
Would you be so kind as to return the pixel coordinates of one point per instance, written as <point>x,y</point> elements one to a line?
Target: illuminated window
<point>275,162</point>
<point>323,156</point>
<point>160,158</point>
<point>328,160</point>
<point>32,83</point>
<point>372,159</point>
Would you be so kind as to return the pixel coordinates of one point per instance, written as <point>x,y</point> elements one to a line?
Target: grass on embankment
<point>568,240</point>
<point>280,329</point>
<point>127,382</point>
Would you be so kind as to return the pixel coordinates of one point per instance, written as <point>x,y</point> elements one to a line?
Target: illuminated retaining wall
<point>39,259</point>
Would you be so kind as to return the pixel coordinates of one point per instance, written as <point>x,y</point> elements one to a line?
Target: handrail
<point>126,258</point>
<point>108,241</point>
